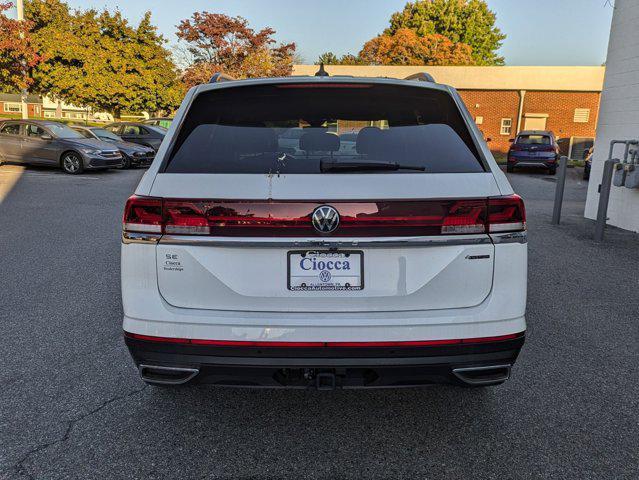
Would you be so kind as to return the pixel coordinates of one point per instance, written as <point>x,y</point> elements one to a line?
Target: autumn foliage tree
<point>405,47</point>
<point>98,59</point>
<point>470,22</point>
<point>218,43</point>
<point>18,55</point>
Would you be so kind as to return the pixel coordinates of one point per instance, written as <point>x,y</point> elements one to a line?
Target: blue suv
<point>534,148</point>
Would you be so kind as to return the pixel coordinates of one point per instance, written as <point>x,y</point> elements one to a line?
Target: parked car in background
<point>133,155</point>
<point>135,132</point>
<point>159,122</point>
<point>534,148</point>
<point>399,263</point>
<point>41,142</point>
<point>588,162</point>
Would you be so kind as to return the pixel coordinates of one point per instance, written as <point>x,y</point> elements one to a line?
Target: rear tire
<point>552,171</point>
<point>510,168</point>
<point>71,163</point>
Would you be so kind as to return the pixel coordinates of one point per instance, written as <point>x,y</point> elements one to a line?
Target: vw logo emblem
<point>325,276</point>
<point>325,219</point>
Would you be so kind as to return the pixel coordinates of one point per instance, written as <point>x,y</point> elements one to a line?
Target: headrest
<point>319,141</point>
<point>368,140</point>
<point>254,139</point>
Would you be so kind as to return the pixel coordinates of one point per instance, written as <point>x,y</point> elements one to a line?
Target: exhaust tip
<point>162,375</point>
<point>486,375</point>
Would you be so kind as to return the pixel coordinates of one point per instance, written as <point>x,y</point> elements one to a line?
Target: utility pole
<point>23,95</point>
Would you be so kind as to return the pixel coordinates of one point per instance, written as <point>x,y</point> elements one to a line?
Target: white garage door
<point>535,122</point>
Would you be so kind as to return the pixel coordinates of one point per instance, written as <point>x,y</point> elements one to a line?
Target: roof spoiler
<point>421,77</point>
<point>221,77</point>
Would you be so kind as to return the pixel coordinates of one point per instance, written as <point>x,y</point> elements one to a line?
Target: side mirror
<point>46,136</point>
<point>511,140</point>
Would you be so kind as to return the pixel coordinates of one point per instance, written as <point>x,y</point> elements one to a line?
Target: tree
<point>405,47</point>
<point>97,59</point>
<point>137,71</point>
<point>329,58</point>
<point>462,21</point>
<point>17,53</point>
<point>219,43</point>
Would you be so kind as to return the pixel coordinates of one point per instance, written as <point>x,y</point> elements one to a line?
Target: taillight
<point>465,216</point>
<point>186,217</point>
<point>143,215</point>
<point>506,214</point>
<point>293,219</point>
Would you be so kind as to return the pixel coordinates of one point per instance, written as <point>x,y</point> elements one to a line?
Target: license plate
<point>320,270</point>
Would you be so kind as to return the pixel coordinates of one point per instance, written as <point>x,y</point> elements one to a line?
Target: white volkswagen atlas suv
<point>397,260</point>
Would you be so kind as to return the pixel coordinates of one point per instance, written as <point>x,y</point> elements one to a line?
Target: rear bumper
<point>326,367</point>
<point>542,162</point>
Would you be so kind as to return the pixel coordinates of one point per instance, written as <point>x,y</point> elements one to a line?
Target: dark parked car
<point>134,132</point>
<point>534,148</point>
<point>133,155</point>
<point>159,121</point>
<point>51,143</point>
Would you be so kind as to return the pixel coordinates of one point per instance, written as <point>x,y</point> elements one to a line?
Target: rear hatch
<point>534,146</point>
<point>251,222</point>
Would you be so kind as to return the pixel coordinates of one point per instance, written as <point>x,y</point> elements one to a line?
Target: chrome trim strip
<point>140,237</point>
<point>325,243</point>
<point>511,237</point>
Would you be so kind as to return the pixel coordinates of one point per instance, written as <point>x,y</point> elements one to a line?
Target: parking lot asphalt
<point>72,406</point>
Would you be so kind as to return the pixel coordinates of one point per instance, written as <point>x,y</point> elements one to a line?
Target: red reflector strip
<point>242,343</point>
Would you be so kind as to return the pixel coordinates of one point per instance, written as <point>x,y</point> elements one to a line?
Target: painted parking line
<point>26,174</point>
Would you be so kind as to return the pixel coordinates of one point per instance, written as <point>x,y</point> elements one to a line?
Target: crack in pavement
<point>18,467</point>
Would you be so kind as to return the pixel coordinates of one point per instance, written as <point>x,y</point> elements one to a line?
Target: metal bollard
<point>604,197</point>
<point>559,190</point>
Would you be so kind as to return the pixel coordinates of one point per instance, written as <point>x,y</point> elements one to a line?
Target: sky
<point>539,32</point>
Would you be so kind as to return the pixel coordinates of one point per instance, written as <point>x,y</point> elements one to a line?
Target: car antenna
<point>321,72</point>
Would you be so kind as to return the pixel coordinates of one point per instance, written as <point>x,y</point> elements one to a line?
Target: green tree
<point>97,59</point>
<point>17,53</point>
<point>462,21</point>
<point>329,58</point>
<point>219,43</point>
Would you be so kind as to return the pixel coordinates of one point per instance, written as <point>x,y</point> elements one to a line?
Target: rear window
<point>533,140</point>
<point>303,128</point>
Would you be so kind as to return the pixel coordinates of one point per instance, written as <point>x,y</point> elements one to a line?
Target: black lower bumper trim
<point>325,368</point>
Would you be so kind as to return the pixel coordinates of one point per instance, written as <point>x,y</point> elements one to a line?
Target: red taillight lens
<point>293,219</point>
<point>143,215</point>
<point>186,217</point>
<point>465,216</point>
<point>506,214</point>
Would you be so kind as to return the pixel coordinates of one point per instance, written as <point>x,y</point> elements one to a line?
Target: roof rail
<point>221,77</point>
<point>421,77</point>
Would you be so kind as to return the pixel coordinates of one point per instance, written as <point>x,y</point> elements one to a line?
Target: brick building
<point>505,100</point>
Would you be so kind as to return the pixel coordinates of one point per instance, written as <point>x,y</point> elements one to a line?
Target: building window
<point>36,109</point>
<point>12,107</point>
<point>506,126</point>
<point>479,120</point>
<point>49,114</point>
<point>582,115</point>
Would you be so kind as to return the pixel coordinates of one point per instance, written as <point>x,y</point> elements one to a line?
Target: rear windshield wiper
<point>356,166</point>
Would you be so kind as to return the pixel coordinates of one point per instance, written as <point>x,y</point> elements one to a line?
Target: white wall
<point>573,79</point>
<point>619,113</point>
